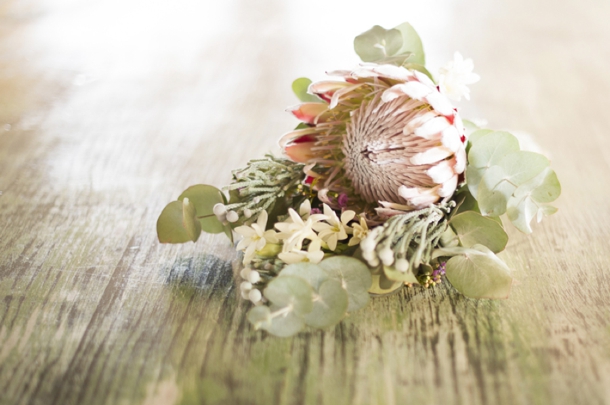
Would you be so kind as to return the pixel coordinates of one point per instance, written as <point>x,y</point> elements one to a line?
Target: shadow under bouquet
<point>382,185</point>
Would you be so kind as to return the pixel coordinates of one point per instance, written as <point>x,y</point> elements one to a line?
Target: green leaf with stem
<point>204,198</point>
<point>290,291</point>
<point>474,229</point>
<point>479,273</point>
<point>378,43</point>
<point>170,228</point>
<point>411,43</point>
<point>330,305</point>
<point>354,276</point>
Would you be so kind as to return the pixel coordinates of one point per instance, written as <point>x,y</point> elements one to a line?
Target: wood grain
<point>108,109</point>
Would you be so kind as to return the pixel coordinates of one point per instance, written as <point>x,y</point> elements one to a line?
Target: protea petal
<point>388,137</point>
<point>307,112</point>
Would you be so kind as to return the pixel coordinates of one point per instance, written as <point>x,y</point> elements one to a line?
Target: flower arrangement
<point>382,186</point>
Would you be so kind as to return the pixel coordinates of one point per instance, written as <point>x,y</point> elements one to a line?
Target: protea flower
<point>384,135</point>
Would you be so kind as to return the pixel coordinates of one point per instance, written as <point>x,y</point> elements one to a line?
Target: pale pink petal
<point>432,155</point>
<point>448,187</point>
<point>460,160</point>
<point>307,112</point>
<point>300,152</point>
<point>440,103</point>
<point>393,72</point>
<point>433,127</point>
<point>441,172</point>
<point>418,121</point>
<point>451,139</point>
<point>423,78</point>
<point>342,93</point>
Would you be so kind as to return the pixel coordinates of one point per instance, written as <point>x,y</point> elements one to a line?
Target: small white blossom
<point>255,237</point>
<point>334,229</point>
<point>455,76</point>
<point>360,230</point>
<point>295,230</point>
<point>314,254</point>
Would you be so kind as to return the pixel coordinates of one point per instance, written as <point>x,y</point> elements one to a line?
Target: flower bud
<point>219,209</point>
<point>254,277</point>
<point>255,296</point>
<point>232,216</point>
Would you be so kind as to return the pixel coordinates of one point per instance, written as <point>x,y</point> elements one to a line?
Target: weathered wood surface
<point>108,109</point>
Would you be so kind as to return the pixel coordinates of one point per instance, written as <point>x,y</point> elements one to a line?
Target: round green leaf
<point>479,273</point>
<point>204,198</point>
<point>300,87</point>
<point>310,272</point>
<point>284,325</point>
<point>354,276</point>
<point>490,148</point>
<point>189,220</point>
<point>290,291</point>
<point>379,288</point>
<point>494,192</point>
<point>474,229</point>
<point>521,211</point>
<point>378,43</point>
<point>170,228</point>
<point>330,305</point>
<point>395,275</point>
<point>260,317</point>
<point>411,43</point>
<point>520,166</point>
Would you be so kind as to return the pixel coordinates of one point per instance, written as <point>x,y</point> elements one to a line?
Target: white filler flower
<point>455,77</point>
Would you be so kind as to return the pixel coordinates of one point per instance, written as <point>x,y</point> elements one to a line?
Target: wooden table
<point>108,109</point>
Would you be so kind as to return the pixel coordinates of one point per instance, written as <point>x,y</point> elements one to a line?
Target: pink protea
<point>384,135</point>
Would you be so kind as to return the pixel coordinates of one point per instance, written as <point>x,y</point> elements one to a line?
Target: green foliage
<point>204,198</point>
<point>399,46</point>
<point>170,228</point>
<point>315,295</point>
<point>411,44</point>
<point>378,43</point>
<point>504,179</point>
<point>300,86</point>
<point>330,306</point>
<point>183,220</point>
<point>478,273</point>
<point>474,229</point>
<point>290,291</point>
<point>354,276</point>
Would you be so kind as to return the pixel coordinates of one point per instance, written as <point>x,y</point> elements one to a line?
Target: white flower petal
<point>451,138</point>
<point>432,155</point>
<point>433,127</point>
<point>441,172</point>
<point>440,103</point>
<point>448,187</point>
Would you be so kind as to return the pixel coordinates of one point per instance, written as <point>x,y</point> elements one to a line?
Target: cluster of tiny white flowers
<point>321,230</point>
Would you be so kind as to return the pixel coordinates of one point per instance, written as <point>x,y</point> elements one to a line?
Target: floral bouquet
<point>382,186</point>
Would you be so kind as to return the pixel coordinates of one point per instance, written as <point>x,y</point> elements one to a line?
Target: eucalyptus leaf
<point>204,198</point>
<point>354,275</point>
<point>310,272</point>
<point>300,87</point>
<point>474,229</point>
<point>494,192</point>
<point>260,317</point>
<point>189,220</point>
<point>378,43</point>
<point>284,325</point>
<point>520,167</point>
<point>477,134</point>
<point>490,148</point>
<point>411,43</point>
<point>479,273</point>
<point>170,228</point>
<point>395,275</point>
<point>330,305</point>
<point>290,291</point>
<point>521,211</point>
<point>379,288</point>
<point>544,188</point>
